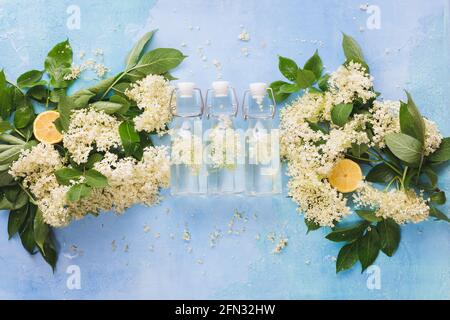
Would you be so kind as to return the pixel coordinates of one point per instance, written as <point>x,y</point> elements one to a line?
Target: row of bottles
<point>210,154</point>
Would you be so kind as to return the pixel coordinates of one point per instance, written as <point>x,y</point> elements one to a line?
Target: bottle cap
<point>186,89</point>
<point>258,90</point>
<point>220,88</point>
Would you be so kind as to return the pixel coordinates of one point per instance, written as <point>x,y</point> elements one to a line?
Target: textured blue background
<point>411,50</point>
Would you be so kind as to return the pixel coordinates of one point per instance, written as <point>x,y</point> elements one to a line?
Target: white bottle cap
<point>258,90</point>
<point>220,88</point>
<point>186,89</point>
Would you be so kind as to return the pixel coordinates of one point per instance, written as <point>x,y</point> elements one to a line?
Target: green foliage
<point>340,114</point>
<point>389,232</point>
<point>404,147</point>
<point>58,64</point>
<point>369,246</point>
<point>411,121</point>
<point>16,104</point>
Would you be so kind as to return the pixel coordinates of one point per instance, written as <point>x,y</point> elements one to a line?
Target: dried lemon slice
<point>44,129</point>
<point>345,176</point>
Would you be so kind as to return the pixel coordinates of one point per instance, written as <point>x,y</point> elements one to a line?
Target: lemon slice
<point>345,176</point>
<point>44,129</point>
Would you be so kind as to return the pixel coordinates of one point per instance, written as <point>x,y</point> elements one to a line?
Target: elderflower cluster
<point>129,182</point>
<point>401,205</point>
<point>89,128</point>
<point>433,137</point>
<point>152,95</point>
<point>350,82</point>
<point>384,121</point>
<point>36,166</point>
<point>224,144</point>
<point>317,199</point>
<point>312,154</point>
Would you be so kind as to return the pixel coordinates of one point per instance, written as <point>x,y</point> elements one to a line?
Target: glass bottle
<point>188,174</point>
<point>223,143</point>
<point>263,172</point>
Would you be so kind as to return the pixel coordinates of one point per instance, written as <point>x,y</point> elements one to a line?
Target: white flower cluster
<point>36,166</point>
<point>129,182</point>
<point>433,137</point>
<point>89,128</point>
<point>311,155</point>
<point>351,82</point>
<point>384,120</point>
<point>224,144</point>
<point>401,205</point>
<point>152,95</point>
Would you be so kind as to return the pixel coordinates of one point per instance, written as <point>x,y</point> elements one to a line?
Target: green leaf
<point>288,68</point>
<point>404,147</point>
<point>5,126</point>
<point>78,192</point>
<point>368,248</point>
<point>305,78</point>
<point>315,65</point>
<point>347,257</point>
<point>21,201</point>
<point>311,225</point>
<point>340,114</point>
<point>323,82</point>
<point>12,192</point>
<point>27,232</point>
<point>66,176</point>
<point>95,179</point>
<point>3,81</point>
<point>438,198</point>
<point>58,63</point>
<point>431,175</point>
<point>65,107</point>
<point>349,233</point>
<point>411,121</point>
<point>49,253</point>
<point>136,52</point>
<point>16,220</point>
<point>93,158</point>
<point>129,137</point>
<point>5,204</point>
<point>11,154</point>
<point>10,139</point>
<point>24,116</point>
<point>39,93</point>
<point>5,178</point>
<point>6,102</point>
<point>278,94</point>
<point>352,50</point>
<point>30,79</point>
<point>158,61</point>
<point>359,149</point>
<point>438,215</point>
<point>381,173</point>
<point>41,230</point>
<point>443,153</point>
<point>389,232</point>
<point>368,215</point>
<point>82,97</point>
<point>289,88</point>
<point>116,104</point>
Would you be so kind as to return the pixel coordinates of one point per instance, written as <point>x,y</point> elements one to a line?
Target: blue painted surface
<point>411,50</point>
